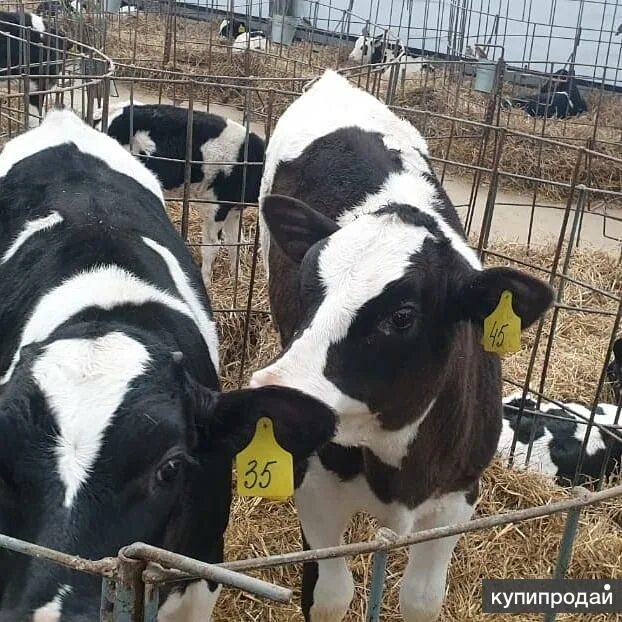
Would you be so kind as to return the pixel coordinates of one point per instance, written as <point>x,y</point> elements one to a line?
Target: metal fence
<point>511,169</point>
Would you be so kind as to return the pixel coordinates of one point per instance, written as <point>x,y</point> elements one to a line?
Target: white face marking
<point>52,610</point>
<point>63,126</point>
<point>357,54</point>
<point>105,287</point>
<point>37,23</point>
<point>84,382</point>
<point>206,326</point>
<point>29,229</point>
<point>196,604</point>
<point>348,269</point>
<point>333,103</point>
<point>223,148</point>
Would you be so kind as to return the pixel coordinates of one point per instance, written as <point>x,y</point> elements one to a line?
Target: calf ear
<point>294,225</point>
<point>301,423</point>
<point>617,350</point>
<point>480,296</point>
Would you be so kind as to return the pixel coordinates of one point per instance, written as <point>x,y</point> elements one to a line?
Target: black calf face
<point>105,441</point>
<point>382,298</point>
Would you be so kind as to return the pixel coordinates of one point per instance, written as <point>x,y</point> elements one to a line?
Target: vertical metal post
<point>130,594</point>
<point>107,600</point>
<point>378,574</point>
<point>152,602</point>
<point>566,544</point>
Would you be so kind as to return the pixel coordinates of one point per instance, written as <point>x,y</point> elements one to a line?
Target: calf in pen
<point>380,303</point>
<point>552,435</point>
<point>112,426</point>
<point>159,132</point>
<point>28,46</point>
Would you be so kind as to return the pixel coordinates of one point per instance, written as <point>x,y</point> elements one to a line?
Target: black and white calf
<point>374,50</point>
<point>254,40</point>
<point>231,28</point>
<point>380,303</point>
<point>556,440</point>
<point>217,142</point>
<point>560,98</point>
<point>108,433</point>
<point>45,53</point>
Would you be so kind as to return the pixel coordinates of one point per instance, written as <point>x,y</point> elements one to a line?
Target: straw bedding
<point>527,550</point>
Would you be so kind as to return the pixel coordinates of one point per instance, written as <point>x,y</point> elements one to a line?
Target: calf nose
<point>263,378</point>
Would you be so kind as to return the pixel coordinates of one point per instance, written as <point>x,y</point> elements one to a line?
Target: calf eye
<point>169,472</point>
<point>403,318</point>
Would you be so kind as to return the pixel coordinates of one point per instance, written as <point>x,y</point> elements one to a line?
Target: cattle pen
<point>539,192</point>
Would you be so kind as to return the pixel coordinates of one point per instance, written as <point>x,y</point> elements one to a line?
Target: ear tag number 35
<point>264,468</point>
<point>502,327</point>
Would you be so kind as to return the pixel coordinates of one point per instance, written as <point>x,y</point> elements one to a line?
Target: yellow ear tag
<point>264,468</point>
<point>502,327</point>
<point>241,29</point>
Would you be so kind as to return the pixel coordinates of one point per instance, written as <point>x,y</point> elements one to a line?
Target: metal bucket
<point>284,29</point>
<point>112,6</point>
<point>484,76</point>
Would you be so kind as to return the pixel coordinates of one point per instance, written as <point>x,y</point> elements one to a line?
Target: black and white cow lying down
<point>559,98</point>
<point>108,433</point>
<point>380,303</point>
<point>160,131</point>
<point>46,51</point>
<point>557,440</point>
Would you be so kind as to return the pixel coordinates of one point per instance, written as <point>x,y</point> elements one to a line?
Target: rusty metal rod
<point>104,567</point>
<point>210,572</point>
<point>362,548</point>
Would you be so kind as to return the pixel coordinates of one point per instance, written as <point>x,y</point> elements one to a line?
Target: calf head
<point>383,301</point>
<point>367,50</point>
<point>105,441</point>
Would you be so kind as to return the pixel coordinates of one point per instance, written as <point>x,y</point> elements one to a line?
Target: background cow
<point>231,28</point>
<point>108,433</point>
<point>254,40</point>
<point>46,53</point>
<point>556,441</point>
<point>380,305</point>
<point>160,131</point>
<point>559,97</point>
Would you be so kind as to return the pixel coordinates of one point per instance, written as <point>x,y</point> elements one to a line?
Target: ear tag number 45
<point>264,468</point>
<point>502,327</point>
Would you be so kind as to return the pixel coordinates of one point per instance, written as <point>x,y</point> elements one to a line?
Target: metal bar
<point>107,600</point>
<point>130,595</point>
<point>378,575</point>
<point>479,524</point>
<point>566,546</point>
<point>152,601</point>
<point>211,572</point>
<point>105,567</point>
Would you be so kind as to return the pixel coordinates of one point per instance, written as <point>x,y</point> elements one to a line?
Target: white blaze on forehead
<point>29,229</point>
<point>51,611</point>
<point>84,381</point>
<point>206,326</point>
<point>355,266</point>
<point>409,189</point>
<point>105,287</point>
<point>63,127</point>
